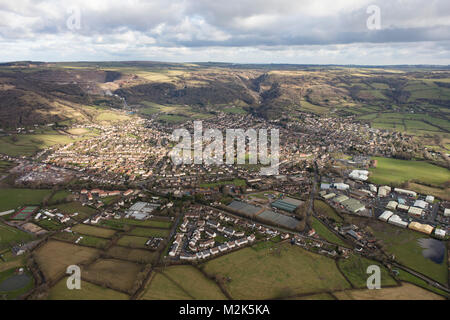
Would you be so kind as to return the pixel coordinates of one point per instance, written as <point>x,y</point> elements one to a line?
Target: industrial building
<point>424,228</point>
<point>397,221</point>
<point>385,215</point>
<point>287,204</point>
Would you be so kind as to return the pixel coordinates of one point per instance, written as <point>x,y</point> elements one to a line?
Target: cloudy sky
<point>243,31</point>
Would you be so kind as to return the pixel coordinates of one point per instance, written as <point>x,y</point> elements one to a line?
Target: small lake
<point>15,282</point>
<point>433,249</point>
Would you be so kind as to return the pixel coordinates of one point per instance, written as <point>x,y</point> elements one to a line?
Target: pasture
<point>355,269</point>
<point>133,255</point>
<point>116,274</point>
<point>194,282</point>
<point>270,273</point>
<point>162,288</point>
<point>88,291</point>
<point>404,245</point>
<point>54,257</point>
<point>10,236</point>
<point>132,241</point>
<point>397,171</point>
<point>11,198</point>
<point>93,231</point>
<point>406,291</point>
<point>149,232</point>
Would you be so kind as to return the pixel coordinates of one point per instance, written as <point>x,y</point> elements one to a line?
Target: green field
<point>93,231</point>
<point>355,269</point>
<point>50,225</point>
<point>397,171</point>
<point>59,196</point>
<point>269,273</point>
<point>150,232</point>
<point>28,144</point>
<point>134,255</point>
<point>12,198</point>
<point>162,288</point>
<point>184,281</point>
<point>145,223</point>
<point>132,241</point>
<point>321,207</point>
<point>325,233</point>
<point>88,291</point>
<point>235,182</point>
<point>403,244</point>
<point>11,236</point>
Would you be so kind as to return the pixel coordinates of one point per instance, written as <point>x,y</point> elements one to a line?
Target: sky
<point>366,32</point>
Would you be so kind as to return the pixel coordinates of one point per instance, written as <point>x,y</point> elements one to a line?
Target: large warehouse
<point>287,204</point>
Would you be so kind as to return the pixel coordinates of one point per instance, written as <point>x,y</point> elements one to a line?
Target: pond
<point>15,282</point>
<point>433,249</point>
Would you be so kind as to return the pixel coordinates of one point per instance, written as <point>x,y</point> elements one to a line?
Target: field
<point>325,233</point>
<point>355,269</point>
<point>59,196</point>
<point>398,171</point>
<point>93,231</point>
<point>161,288</point>
<point>116,274</point>
<point>10,236</point>
<point>149,232</point>
<point>88,291</point>
<point>403,244</point>
<point>89,241</point>
<point>133,255</point>
<point>235,182</point>
<point>55,256</point>
<point>144,223</point>
<point>189,281</point>
<point>73,207</point>
<point>28,144</point>
<point>132,242</point>
<point>13,198</point>
<point>50,225</point>
<point>405,292</point>
<point>323,208</point>
<point>268,273</point>
<point>5,166</point>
